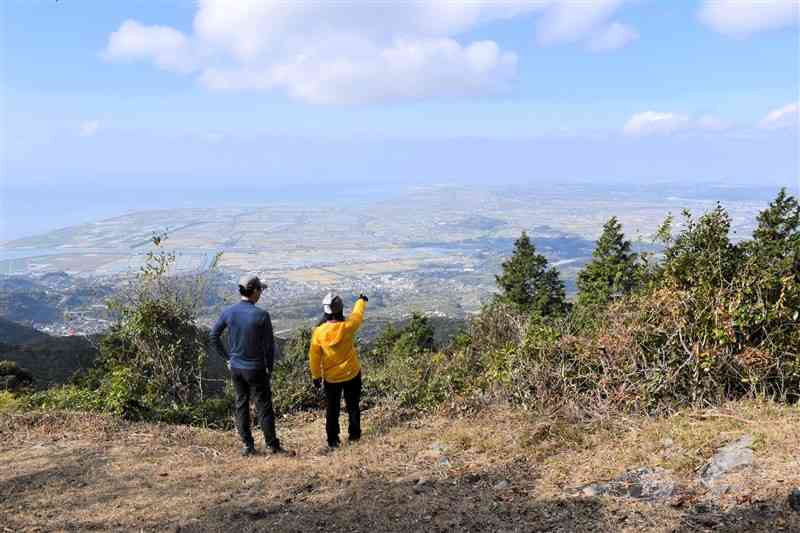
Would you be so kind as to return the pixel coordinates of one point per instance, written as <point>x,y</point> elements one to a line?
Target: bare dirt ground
<point>498,470</point>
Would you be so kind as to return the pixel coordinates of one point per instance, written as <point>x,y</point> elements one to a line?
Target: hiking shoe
<point>247,451</point>
<point>280,450</point>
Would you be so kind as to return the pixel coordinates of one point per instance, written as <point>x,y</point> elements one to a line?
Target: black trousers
<point>352,397</point>
<point>254,384</point>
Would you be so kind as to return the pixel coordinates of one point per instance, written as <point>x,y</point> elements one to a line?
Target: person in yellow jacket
<point>334,360</point>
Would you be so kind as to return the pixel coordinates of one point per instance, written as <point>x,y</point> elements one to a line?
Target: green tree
<point>155,342</point>
<point>613,270</point>
<point>416,337</point>
<point>768,306</point>
<point>777,235</point>
<point>702,255</point>
<point>529,283</point>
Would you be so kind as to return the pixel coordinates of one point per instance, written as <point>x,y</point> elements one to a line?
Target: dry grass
<point>70,472</point>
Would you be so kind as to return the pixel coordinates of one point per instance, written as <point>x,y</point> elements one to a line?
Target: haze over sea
<point>28,211</point>
<point>31,211</point>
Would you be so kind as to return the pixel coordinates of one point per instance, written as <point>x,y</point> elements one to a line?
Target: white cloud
<point>612,37</point>
<point>740,18</point>
<point>569,21</point>
<point>168,48</point>
<point>358,51</point>
<point>649,122</point>
<point>89,128</point>
<point>656,122</point>
<point>403,71</point>
<point>783,117</point>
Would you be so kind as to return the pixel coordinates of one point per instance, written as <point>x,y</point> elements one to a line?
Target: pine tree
<point>613,270</point>
<point>773,256</point>
<point>702,255</point>
<point>778,230</point>
<point>528,282</point>
<point>767,310</point>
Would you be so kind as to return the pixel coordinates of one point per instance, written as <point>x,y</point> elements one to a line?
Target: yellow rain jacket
<point>333,355</point>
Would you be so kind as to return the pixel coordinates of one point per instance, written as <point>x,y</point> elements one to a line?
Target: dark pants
<point>352,397</point>
<point>254,384</point>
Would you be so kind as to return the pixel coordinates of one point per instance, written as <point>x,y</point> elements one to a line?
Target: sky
<point>171,94</point>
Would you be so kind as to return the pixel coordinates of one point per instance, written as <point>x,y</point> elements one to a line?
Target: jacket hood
<point>331,333</point>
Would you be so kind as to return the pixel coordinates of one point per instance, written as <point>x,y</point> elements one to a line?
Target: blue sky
<point>148,93</point>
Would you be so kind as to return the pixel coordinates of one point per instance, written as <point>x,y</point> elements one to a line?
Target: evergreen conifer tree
<point>778,231</point>
<point>702,255</point>
<point>528,282</point>
<point>771,271</point>
<point>613,269</point>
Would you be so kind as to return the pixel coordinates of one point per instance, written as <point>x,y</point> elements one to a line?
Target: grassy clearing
<point>64,471</point>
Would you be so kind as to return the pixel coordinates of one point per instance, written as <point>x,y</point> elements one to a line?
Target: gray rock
<point>729,458</point>
<point>640,484</point>
<point>445,462</point>
<point>422,485</point>
<point>594,490</point>
<point>794,499</point>
<point>502,484</point>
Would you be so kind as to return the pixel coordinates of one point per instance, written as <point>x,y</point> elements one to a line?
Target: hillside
<point>12,333</point>
<point>52,360</point>
<point>498,471</point>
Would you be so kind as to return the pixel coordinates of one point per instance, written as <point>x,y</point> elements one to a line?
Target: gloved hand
<point>317,383</point>
<point>363,297</point>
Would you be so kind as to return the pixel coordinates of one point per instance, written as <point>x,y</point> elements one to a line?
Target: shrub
<point>13,378</point>
<point>9,402</point>
<point>291,379</point>
<point>152,359</point>
<point>66,397</point>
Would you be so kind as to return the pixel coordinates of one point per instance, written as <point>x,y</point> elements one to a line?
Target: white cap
<point>332,303</point>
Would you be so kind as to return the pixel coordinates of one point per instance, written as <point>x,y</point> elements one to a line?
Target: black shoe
<point>280,450</point>
<point>247,451</point>
<point>353,439</point>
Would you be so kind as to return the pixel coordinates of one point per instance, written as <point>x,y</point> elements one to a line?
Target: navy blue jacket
<point>251,345</point>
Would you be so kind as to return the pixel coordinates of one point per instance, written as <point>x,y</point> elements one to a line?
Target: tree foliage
<point>528,282</point>
<point>702,256</point>
<point>156,338</point>
<point>613,271</point>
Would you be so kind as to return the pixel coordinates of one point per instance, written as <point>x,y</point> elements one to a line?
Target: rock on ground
<point>733,456</point>
<point>640,484</point>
